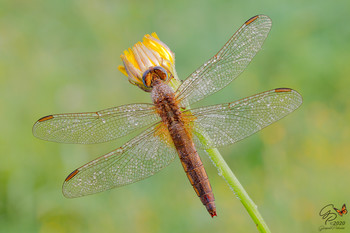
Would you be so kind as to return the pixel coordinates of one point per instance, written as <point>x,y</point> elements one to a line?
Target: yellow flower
<point>144,55</point>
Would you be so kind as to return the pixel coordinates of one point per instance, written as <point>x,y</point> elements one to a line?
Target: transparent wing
<point>138,159</point>
<point>228,63</point>
<point>95,127</point>
<point>228,123</point>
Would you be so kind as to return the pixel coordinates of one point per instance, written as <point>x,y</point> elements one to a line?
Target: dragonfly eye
<point>152,73</point>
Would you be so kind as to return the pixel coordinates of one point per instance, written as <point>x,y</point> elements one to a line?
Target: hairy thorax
<point>166,105</point>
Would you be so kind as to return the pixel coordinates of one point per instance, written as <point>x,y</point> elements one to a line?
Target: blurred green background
<point>62,56</point>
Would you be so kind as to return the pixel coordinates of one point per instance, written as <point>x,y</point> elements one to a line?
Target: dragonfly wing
<point>95,127</point>
<point>228,63</point>
<point>228,123</point>
<point>138,159</point>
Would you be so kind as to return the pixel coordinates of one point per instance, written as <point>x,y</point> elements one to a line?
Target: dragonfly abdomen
<point>193,166</point>
<point>169,111</point>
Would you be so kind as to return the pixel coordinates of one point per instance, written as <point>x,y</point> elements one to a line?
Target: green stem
<point>225,171</point>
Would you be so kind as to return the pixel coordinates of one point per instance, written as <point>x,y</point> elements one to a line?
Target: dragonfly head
<point>155,73</point>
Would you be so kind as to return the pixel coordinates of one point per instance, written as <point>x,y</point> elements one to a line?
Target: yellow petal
<point>153,34</point>
<point>122,69</point>
<point>129,55</point>
<point>156,45</point>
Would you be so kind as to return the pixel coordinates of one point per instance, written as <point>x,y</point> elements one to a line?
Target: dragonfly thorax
<point>166,105</point>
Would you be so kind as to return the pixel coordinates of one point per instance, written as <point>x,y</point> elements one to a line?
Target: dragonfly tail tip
<point>213,214</point>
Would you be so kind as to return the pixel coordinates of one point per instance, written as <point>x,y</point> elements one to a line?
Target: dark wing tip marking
<point>70,176</point>
<point>283,90</point>
<point>252,19</point>
<point>45,118</point>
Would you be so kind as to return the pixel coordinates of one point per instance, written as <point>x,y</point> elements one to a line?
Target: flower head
<point>143,55</point>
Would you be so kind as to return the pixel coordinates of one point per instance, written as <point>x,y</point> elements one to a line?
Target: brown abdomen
<point>193,166</point>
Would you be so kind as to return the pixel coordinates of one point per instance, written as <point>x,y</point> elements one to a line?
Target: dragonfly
<point>171,128</point>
